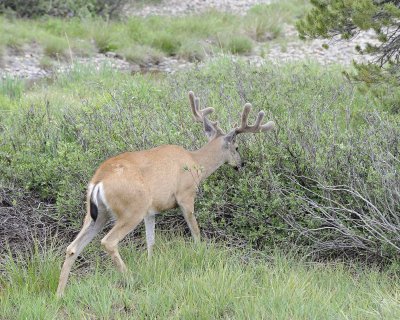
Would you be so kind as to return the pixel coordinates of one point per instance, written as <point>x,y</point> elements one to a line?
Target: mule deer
<point>135,186</point>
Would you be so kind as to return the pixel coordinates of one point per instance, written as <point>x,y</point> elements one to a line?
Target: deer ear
<point>230,137</point>
<point>209,129</point>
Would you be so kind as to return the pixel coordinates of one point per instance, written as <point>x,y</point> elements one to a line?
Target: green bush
<point>326,181</point>
<point>60,8</point>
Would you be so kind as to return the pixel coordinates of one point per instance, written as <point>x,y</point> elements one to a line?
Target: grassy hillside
<point>206,281</point>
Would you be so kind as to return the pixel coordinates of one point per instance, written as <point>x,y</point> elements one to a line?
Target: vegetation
<point>327,181</point>
<point>190,281</point>
<point>324,185</point>
<point>347,19</point>
<point>143,40</point>
<point>60,8</point>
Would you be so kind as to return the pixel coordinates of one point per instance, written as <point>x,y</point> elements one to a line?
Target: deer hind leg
<point>88,232</point>
<point>121,228</point>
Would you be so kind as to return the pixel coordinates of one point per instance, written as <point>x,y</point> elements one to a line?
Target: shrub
<point>55,47</point>
<point>105,40</point>
<point>141,54</point>
<point>195,50</point>
<point>166,42</point>
<point>69,8</point>
<point>236,44</point>
<point>326,182</point>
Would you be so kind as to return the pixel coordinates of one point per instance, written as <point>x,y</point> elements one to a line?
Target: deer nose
<point>239,167</point>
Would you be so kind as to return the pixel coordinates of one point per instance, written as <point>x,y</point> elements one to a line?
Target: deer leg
<point>187,207</point>
<point>88,232</point>
<point>150,222</point>
<point>121,228</point>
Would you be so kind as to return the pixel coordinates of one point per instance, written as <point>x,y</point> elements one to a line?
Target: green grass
<point>11,87</point>
<point>268,20</point>
<point>1,55</point>
<point>46,63</point>
<point>206,281</point>
<point>237,44</point>
<point>146,39</point>
<point>55,47</point>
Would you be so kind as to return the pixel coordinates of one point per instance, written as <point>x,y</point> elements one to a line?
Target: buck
<point>135,186</point>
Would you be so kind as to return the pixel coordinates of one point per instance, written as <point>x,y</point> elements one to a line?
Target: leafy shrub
<point>327,181</point>
<point>59,8</point>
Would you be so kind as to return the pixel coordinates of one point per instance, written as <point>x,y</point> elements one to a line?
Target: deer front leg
<point>187,207</point>
<point>150,222</point>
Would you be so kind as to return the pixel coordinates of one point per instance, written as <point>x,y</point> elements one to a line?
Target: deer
<point>136,186</point>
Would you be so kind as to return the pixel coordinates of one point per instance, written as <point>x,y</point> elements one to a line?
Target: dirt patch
<point>24,218</point>
<point>182,7</point>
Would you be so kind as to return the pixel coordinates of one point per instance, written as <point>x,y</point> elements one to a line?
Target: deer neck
<point>209,158</point>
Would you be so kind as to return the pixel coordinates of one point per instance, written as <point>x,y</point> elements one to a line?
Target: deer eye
<point>237,148</point>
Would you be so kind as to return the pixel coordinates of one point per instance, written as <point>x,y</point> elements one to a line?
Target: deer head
<point>226,142</point>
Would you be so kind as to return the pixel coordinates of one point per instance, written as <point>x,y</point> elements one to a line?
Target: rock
<point>110,54</point>
<point>134,68</point>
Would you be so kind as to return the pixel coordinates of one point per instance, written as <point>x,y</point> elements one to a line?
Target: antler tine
<point>198,114</point>
<point>245,115</point>
<point>256,127</point>
<point>201,115</point>
<point>270,125</point>
<point>259,119</point>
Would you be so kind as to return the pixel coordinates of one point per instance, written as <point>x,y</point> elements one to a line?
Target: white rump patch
<point>98,195</point>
